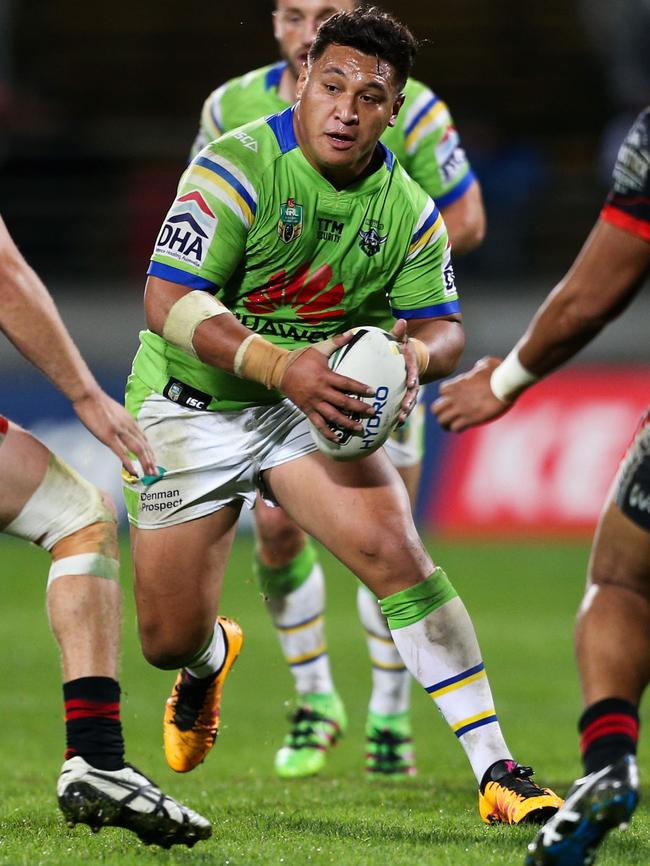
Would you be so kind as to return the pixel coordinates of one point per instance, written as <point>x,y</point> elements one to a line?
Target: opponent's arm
<point>30,319</point>
<point>197,323</point>
<point>606,275</point>
<point>465,220</point>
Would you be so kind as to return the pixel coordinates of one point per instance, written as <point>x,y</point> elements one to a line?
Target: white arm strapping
<point>186,315</point>
<point>510,378</point>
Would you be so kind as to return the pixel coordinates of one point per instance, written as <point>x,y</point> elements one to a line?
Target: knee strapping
<point>91,550</point>
<point>63,503</point>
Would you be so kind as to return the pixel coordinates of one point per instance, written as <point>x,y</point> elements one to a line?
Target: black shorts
<point>633,479</point>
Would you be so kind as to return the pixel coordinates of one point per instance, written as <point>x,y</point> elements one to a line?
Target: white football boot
<point>126,798</point>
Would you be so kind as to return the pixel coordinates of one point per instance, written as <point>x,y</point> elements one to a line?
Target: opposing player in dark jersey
<point>224,387</point>
<point>45,501</point>
<point>424,139</point>
<point>613,629</point>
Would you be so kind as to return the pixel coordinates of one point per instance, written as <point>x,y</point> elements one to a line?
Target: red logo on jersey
<point>308,295</point>
<point>198,199</point>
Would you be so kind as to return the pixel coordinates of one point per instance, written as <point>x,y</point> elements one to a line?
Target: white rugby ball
<point>373,357</point>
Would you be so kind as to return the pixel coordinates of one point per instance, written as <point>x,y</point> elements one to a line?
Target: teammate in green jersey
<point>226,408</point>
<point>426,143</point>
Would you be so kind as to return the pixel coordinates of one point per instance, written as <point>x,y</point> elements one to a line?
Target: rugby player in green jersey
<point>245,300</point>
<point>425,141</point>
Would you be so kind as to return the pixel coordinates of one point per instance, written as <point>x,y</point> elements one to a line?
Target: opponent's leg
<point>178,577</point>
<point>293,585</point>
<point>46,502</point>
<point>371,531</point>
<point>613,652</point>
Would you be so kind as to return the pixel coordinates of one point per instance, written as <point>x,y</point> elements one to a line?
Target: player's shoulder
<point>412,196</point>
<point>423,108</point>
<point>260,79</point>
<point>252,148</point>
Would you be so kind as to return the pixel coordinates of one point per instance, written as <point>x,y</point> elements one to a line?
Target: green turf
<point>522,599</point>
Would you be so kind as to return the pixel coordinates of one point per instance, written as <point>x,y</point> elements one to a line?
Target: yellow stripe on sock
<point>471,719</point>
<point>303,625</point>
<point>459,685</point>
<point>386,666</point>
<point>305,657</point>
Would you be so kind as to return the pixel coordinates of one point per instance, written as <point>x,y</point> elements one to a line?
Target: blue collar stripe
<point>282,126</point>
<point>273,76</point>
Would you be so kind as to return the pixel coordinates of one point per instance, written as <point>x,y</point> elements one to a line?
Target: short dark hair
<point>371,31</point>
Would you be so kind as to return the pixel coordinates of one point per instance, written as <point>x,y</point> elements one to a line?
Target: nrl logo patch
<point>371,241</point>
<point>291,221</point>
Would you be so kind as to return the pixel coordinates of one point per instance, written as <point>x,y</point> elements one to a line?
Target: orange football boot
<point>191,721</point>
<point>511,797</point>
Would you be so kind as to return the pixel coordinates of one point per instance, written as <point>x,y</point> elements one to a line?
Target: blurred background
<point>99,104</point>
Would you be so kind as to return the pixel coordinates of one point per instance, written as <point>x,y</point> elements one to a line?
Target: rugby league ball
<point>373,357</point>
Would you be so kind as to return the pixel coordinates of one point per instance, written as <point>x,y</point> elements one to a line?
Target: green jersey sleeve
<point>432,152</point>
<point>203,237</point>
<point>211,121</point>
<point>425,287</point>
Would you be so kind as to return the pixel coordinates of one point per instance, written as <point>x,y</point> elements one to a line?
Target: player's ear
<point>397,104</point>
<point>302,80</point>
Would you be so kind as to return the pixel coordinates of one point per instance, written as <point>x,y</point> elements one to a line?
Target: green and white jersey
<point>295,259</point>
<point>424,138</point>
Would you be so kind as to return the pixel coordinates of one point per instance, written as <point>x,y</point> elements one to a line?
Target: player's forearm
<point>30,319</point>
<point>604,278</point>
<point>205,328</point>
<point>444,340</point>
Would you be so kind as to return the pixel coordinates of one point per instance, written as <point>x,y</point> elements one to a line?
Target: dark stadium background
<point>99,104</point>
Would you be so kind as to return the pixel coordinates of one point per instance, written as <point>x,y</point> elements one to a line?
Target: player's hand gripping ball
<point>373,357</point>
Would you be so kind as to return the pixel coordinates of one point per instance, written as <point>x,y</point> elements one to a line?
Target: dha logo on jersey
<point>290,222</point>
<point>371,241</point>
<point>450,156</point>
<point>188,229</point>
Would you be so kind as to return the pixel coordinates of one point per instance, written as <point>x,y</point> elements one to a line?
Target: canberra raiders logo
<point>290,222</point>
<point>371,241</point>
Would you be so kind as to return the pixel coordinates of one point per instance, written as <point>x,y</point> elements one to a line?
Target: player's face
<point>295,23</point>
<point>347,99</point>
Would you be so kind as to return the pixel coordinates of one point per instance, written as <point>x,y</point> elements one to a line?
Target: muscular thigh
<point>360,511</point>
<point>23,463</point>
<point>621,550</point>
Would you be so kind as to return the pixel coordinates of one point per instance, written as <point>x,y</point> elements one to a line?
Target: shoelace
<point>518,780</point>
<point>190,699</point>
<point>387,742</point>
<point>303,732</point>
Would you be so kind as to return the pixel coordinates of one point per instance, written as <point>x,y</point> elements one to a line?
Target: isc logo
<point>247,140</point>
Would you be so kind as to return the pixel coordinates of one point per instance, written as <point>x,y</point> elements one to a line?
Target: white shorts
<point>405,446</point>
<point>210,459</point>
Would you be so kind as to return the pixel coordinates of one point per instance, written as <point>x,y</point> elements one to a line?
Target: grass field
<point>523,600</point>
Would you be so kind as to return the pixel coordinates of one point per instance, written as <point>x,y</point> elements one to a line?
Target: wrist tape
<point>261,361</point>
<point>510,378</point>
<point>421,353</point>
